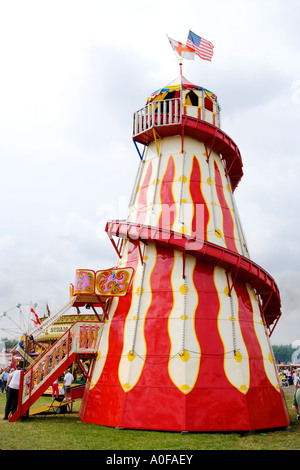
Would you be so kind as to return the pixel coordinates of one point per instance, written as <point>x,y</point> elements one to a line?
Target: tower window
<point>208,104</point>
<point>191,99</point>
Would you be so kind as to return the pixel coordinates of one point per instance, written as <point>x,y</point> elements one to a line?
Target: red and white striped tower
<point>187,348</point>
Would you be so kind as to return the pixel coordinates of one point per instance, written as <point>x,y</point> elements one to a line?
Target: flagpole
<point>180,70</point>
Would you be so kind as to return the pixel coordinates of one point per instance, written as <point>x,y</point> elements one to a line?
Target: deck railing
<point>168,112</point>
<point>157,113</point>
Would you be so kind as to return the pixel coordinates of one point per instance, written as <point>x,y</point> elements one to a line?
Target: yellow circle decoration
<point>208,181</point>
<point>218,233</point>
<point>226,291</point>
<point>138,291</point>
<point>185,387</point>
<point>126,385</point>
<point>238,356</point>
<point>183,200</point>
<point>183,178</point>
<point>183,289</point>
<point>270,358</point>
<point>243,388</point>
<point>184,356</point>
<point>184,317</point>
<point>183,230</point>
<point>130,356</point>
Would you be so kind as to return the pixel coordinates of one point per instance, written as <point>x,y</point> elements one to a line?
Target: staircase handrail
<point>82,338</point>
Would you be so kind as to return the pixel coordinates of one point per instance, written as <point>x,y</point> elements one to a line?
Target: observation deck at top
<point>182,108</point>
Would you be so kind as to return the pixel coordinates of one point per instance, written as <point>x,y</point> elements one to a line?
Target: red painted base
<point>155,403</point>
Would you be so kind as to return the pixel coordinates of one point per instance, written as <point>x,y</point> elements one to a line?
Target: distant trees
<point>8,343</point>
<point>283,353</point>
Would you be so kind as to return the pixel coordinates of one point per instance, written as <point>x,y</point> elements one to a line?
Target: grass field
<point>66,432</point>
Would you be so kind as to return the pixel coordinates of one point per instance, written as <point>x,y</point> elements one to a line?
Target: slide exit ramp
<point>80,341</point>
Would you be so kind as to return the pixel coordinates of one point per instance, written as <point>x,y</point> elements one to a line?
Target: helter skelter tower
<point>187,348</point>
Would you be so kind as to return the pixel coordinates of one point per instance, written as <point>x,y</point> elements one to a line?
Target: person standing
<point>12,392</point>
<point>68,380</point>
<point>296,402</point>
<point>4,380</point>
<point>55,391</point>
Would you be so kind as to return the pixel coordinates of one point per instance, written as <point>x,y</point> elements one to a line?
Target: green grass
<point>66,432</point>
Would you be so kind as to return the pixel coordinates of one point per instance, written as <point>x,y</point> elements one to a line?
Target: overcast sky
<point>72,74</point>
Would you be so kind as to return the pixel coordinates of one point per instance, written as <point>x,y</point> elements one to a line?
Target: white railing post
<point>153,114</point>
<point>164,112</point>
<point>148,116</point>
<point>158,112</point>
<point>144,119</point>
<point>176,111</point>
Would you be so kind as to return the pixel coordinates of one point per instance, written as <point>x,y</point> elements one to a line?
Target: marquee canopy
<point>174,87</point>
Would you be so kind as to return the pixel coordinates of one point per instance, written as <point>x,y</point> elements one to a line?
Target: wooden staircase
<point>79,342</point>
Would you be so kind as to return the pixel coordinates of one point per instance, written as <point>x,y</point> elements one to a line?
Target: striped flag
<point>201,46</point>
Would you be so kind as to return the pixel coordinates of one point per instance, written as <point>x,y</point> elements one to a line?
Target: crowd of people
<point>290,376</point>
<point>10,384</point>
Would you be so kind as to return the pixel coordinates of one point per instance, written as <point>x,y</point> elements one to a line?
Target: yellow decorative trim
<point>138,291</point>
<point>226,291</point>
<point>185,356</point>
<point>185,387</point>
<point>183,230</point>
<point>270,358</point>
<point>131,356</point>
<point>182,289</point>
<point>238,356</point>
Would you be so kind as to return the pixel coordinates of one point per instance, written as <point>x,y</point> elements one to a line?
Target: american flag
<point>201,46</point>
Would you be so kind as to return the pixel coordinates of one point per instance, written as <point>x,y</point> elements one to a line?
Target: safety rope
<point>184,315</point>
<point>181,190</point>
<point>242,237</point>
<point>233,324</point>
<point>212,194</point>
<point>138,308</point>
